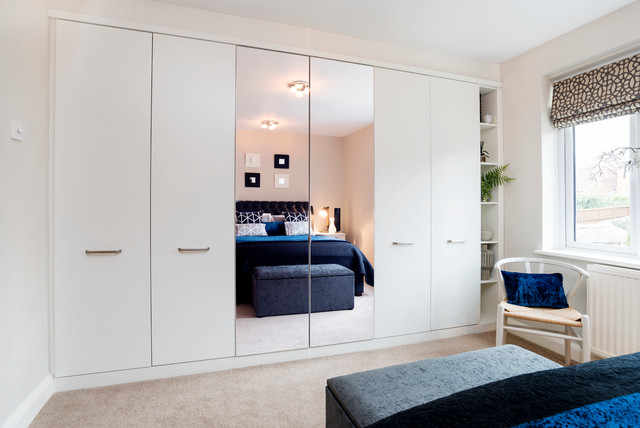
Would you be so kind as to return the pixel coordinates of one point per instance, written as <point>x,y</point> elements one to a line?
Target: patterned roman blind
<point>608,91</point>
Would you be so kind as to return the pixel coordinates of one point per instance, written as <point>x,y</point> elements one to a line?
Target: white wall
<point>320,181</point>
<point>327,176</point>
<point>235,28</point>
<point>359,189</point>
<point>24,74</point>
<point>528,134</point>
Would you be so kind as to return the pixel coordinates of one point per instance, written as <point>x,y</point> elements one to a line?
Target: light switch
<point>17,131</point>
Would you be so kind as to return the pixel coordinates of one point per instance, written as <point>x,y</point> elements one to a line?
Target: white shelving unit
<point>493,210</point>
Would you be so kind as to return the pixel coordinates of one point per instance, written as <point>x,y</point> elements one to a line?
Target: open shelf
<point>492,211</point>
<point>484,126</point>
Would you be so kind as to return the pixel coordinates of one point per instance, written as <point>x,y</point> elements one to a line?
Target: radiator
<point>613,303</point>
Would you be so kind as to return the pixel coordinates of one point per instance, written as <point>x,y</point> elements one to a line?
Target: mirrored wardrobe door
<point>272,201</point>
<point>341,190</point>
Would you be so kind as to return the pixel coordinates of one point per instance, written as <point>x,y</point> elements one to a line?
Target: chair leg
<point>500,326</point>
<point>567,347</point>
<point>586,339</point>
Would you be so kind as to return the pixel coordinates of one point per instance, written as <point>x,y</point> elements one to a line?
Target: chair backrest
<point>540,264</point>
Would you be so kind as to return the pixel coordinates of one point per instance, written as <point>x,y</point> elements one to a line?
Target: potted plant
<point>493,178</point>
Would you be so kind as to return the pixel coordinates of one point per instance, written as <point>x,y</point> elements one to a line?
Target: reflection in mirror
<point>272,181</point>
<point>341,188</point>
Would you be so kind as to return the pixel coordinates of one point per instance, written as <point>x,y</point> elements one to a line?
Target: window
<point>601,192</point>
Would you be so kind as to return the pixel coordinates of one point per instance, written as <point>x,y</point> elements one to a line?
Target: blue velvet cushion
<point>535,289</point>
<point>275,228</point>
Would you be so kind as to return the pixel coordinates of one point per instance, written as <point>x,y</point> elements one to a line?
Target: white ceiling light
<point>299,87</point>
<point>269,124</point>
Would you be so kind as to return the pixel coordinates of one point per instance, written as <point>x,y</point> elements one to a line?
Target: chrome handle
<point>456,241</point>
<point>90,252</point>
<point>403,242</point>
<point>194,250</point>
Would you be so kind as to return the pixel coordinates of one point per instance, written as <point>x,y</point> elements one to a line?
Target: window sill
<point>632,262</point>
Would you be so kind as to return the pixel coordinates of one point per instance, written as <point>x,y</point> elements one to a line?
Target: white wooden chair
<point>568,317</point>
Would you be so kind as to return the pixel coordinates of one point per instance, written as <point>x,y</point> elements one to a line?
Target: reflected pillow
<point>296,227</point>
<point>293,216</point>
<point>251,229</point>
<point>246,217</point>
<point>275,228</point>
<point>535,290</point>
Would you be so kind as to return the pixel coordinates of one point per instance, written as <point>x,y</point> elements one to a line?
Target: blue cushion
<point>535,289</point>
<point>275,228</point>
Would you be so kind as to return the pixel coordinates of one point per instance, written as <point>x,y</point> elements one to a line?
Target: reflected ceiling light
<point>269,124</point>
<point>299,87</point>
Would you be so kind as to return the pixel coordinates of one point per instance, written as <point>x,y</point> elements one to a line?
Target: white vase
<point>332,225</point>
<point>486,262</point>
<point>486,234</point>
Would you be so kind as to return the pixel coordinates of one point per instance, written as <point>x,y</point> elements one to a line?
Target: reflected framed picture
<point>251,179</point>
<point>282,181</point>
<point>252,160</point>
<point>281,161</point>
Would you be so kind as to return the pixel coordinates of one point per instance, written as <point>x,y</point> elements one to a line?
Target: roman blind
<point>604,92</point>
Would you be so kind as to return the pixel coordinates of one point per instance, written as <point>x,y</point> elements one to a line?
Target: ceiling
<point>486,30</point>
<point>340,100</point>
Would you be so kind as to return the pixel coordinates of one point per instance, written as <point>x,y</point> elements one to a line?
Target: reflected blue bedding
<point>293,250</point>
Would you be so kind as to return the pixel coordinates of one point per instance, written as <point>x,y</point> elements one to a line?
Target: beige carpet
<point>279,333</point>
<point>277,395</point>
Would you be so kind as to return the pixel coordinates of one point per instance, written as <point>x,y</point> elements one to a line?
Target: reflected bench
<point>284,290</point>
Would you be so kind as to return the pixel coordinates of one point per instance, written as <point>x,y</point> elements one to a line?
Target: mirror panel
<point>342,177</point>
<point>272,174</point>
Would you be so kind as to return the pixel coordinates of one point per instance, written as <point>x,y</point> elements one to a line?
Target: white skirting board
<point>171,370</point>
<point>27,411</point>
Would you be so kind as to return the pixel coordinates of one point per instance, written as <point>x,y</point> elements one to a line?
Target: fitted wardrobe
<point>143,157</point>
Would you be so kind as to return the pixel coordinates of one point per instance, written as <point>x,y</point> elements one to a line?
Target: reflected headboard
<point>273,207</point>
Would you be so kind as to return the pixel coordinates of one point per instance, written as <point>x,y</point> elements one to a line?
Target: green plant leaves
<point>493,178</point>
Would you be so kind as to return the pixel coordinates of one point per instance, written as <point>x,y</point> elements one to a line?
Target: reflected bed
<point>280,249</point>
<point>257,251</point>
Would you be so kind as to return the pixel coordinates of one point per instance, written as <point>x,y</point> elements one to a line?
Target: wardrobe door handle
<point>92,252</point>
<point>403,242</point>
<point>194,250</point>
<point>456,241</point>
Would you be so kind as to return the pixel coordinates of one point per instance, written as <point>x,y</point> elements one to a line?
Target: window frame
<point>567,196</point>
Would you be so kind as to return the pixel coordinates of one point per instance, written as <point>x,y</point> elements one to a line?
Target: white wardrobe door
<point>101,198</point>
<point>402,203</point>
<point>192,200</point>
<point>455,178</point>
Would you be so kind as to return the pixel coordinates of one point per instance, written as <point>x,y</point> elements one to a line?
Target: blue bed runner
<point>254,251</point>
<point>605,391</point>
<point>618,412</point>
